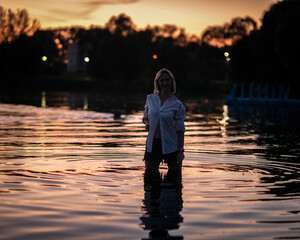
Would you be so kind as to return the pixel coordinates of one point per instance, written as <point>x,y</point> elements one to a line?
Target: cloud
<point>68,9</point>
<point>108,2</point>
<point>63,11</point>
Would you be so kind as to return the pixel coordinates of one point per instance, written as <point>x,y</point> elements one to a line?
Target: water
<point>69,173</point>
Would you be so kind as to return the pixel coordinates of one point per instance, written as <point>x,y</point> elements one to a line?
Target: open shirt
<point>170,115</point>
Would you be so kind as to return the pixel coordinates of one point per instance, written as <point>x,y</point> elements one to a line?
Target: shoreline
<point>78,82</point>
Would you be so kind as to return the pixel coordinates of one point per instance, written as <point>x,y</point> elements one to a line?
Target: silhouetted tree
<point>280,39</point>
<point>171,31</point>
<point>49,48</point>
<point>272,53</point>
<point>122,56</point>
<point>121,24</point>
<point>15,23</point>
<point>229,33</point>
<point>20,58</point>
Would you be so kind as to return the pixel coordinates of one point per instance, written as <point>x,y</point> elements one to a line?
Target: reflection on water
<point>277,130</point>
<point>99,102</point>
<point>162,203</point>
<point>75,174</point>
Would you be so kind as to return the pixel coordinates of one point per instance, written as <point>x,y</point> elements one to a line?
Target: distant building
<point>75,59</point>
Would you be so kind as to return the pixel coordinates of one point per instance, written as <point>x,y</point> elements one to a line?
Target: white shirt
<point>171,116</point>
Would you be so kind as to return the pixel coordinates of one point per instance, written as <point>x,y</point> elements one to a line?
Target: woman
<point>164,118</point>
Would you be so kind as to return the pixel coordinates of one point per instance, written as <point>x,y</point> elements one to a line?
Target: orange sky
<point>193,15</point>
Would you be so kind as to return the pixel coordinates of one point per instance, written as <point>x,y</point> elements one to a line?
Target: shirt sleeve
<point>179,118</point>
<point>146,109</point>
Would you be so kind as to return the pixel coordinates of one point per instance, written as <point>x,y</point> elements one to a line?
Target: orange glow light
<point>154,56</point>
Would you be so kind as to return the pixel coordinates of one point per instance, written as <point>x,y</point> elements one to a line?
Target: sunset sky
<point>193,15</point>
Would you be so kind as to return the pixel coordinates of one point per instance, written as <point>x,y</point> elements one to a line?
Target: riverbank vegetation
<point>119,56</point>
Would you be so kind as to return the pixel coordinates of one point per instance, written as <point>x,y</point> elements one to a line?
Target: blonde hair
<point>157,76</point>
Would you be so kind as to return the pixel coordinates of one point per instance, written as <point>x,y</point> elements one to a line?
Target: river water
<point>70,170</point>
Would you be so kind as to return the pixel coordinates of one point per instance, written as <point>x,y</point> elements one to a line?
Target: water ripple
<point>79,174</point>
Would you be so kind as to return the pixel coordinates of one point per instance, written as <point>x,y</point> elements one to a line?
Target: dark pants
<point>153,159</point>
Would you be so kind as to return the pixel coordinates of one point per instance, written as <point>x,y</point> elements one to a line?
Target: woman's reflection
<point>162,202</point>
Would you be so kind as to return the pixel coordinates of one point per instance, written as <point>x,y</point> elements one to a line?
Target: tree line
<point>271,54</point>
<point>124,56</point>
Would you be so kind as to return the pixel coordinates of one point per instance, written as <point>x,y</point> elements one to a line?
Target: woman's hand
<point>180,156</point>
<point>146,122</point>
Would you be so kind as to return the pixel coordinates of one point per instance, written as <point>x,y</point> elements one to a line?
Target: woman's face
<point>164,82</point>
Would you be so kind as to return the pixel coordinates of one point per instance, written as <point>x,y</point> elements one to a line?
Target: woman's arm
<point>145,116</point>
<point>180,156</point>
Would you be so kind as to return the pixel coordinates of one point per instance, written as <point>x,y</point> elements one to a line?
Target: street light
<point>226,54</point>
<point>227,58</point>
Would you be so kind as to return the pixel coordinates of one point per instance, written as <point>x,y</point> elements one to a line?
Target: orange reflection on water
<point>81,173</point>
